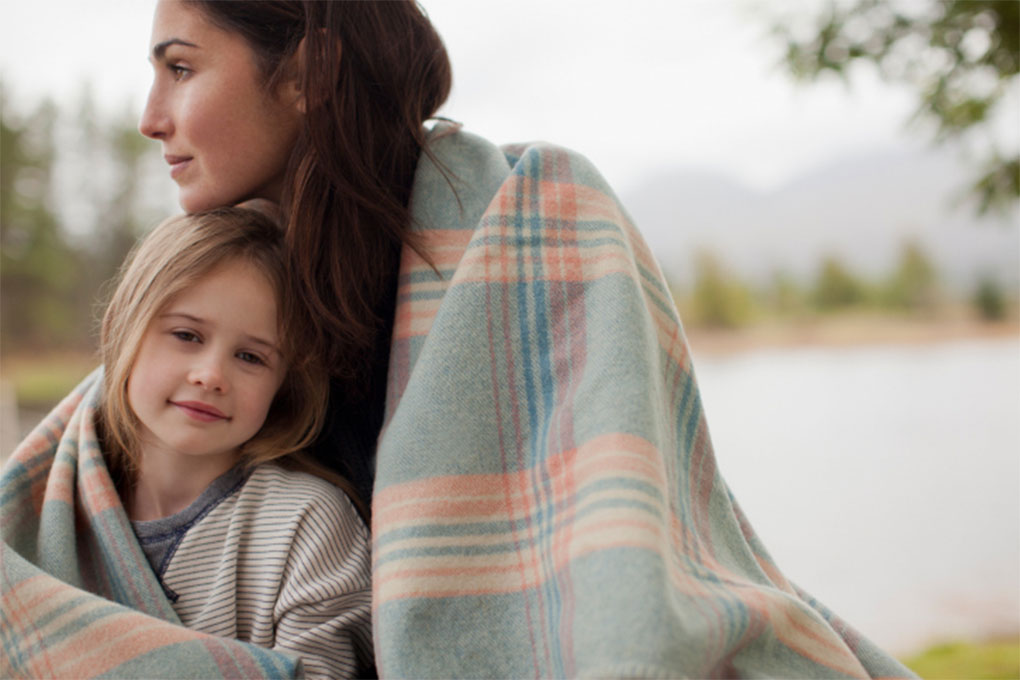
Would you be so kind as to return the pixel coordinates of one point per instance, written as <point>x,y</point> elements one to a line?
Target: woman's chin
<point>265,206</point>
<point>193,202</point>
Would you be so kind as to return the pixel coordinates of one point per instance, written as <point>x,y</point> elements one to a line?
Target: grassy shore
<point>39,381</point>
<point>846,330</point>
<point>989,660</point>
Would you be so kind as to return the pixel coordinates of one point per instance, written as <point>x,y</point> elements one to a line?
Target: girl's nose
<point>209,375</point>
<point>155,123</point>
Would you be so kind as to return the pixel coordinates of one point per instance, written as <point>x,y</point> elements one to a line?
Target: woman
<point>248,104</point>
<point>546,500</point>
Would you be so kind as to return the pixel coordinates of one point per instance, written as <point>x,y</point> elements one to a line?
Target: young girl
<point>207,401</point>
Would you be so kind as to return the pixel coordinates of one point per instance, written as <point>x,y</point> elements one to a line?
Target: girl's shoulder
<point>273,488</point>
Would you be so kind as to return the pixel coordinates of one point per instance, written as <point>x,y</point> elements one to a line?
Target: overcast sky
<point>635,86</point>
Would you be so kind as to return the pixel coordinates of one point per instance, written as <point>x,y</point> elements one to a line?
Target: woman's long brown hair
<point>371,73</point>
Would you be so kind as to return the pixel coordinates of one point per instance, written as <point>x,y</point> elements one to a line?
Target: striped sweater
<point>279,559</point>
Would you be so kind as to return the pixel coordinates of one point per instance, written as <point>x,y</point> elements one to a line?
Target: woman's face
<point>224,136</point>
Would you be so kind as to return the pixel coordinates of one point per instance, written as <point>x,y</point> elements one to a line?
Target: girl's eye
<point>186,336</point>
<point>250,358</point>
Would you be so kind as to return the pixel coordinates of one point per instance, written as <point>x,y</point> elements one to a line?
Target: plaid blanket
<point>547,501</point>
<point>78,596</point>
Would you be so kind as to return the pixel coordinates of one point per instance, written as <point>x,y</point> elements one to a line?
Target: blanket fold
<point>547,500</point>
<point>78,597</point>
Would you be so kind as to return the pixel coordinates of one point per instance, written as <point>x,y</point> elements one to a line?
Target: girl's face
<point>207,370</point>
<point>224,136</point>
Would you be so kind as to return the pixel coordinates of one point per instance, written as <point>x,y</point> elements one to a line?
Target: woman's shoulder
<point>456,181</point>
<point>453,144</point>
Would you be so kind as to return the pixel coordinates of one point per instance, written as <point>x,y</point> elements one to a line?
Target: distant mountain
<point>860,209</point>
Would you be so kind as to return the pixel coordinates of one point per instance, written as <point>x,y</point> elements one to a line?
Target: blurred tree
<point>104,158</point>
<point>962,57</point>
<point>61,242</point>
<point>123,217</point>
<point>783,295</point>
<point>718,299</point>
<point>989,300</point>
<point>836,287</point>
<point>913,285</point>
<point>38,268</point>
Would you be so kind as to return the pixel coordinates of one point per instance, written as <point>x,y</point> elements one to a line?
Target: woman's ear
<point>291,89</point>
<point>290,92</point>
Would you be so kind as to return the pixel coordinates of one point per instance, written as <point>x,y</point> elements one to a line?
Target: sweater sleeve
<point>324,609</point>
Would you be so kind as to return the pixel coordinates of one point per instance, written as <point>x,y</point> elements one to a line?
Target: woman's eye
<point>250,358</point>
<point>186,336</point>
<point>178,71</point>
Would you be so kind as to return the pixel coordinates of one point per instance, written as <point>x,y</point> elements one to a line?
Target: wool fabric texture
<point>547,500</point>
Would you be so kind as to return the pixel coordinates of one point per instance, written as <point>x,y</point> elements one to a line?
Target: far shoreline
<point>845,331</point>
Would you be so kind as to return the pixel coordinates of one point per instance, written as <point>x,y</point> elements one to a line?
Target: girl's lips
<point>199,411</point>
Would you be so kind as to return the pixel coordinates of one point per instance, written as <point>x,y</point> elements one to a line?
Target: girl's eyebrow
<point>160,48</point>
<point>264,343</point>
<point>197,320</point>
<point>182,315</point>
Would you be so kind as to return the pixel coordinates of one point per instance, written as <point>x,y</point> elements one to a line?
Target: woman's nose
<point>155,123</point>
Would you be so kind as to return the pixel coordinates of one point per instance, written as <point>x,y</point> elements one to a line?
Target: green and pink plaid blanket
<point>547,499</point>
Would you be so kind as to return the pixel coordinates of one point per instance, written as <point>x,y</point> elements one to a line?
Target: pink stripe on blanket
<point>464,496</point>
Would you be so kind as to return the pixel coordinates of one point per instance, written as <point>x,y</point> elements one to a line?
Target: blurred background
<point>831,190</point>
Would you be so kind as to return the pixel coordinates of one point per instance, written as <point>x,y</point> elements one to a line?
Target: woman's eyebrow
<point>160,48</point>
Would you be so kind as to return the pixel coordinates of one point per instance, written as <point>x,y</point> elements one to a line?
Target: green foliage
<point>835,287</point>
<point>53,261</point>
<point>37,267</point>
<point>913,285</point>
<point>128,150</point>
<point>718,299</point>
<point>968,660</point>
<point>783,296</point>
<point>989,300</point>
<point>961,56</point>
<point>43,380</point>
<point>999,181</point>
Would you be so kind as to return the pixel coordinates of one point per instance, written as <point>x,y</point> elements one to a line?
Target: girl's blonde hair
<point>178,253</point>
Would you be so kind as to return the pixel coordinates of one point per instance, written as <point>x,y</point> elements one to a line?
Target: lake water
<point>883,479</point>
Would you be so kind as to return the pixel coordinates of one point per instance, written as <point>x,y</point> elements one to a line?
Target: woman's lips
<point>178,164</point>
<point>199,411</point>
